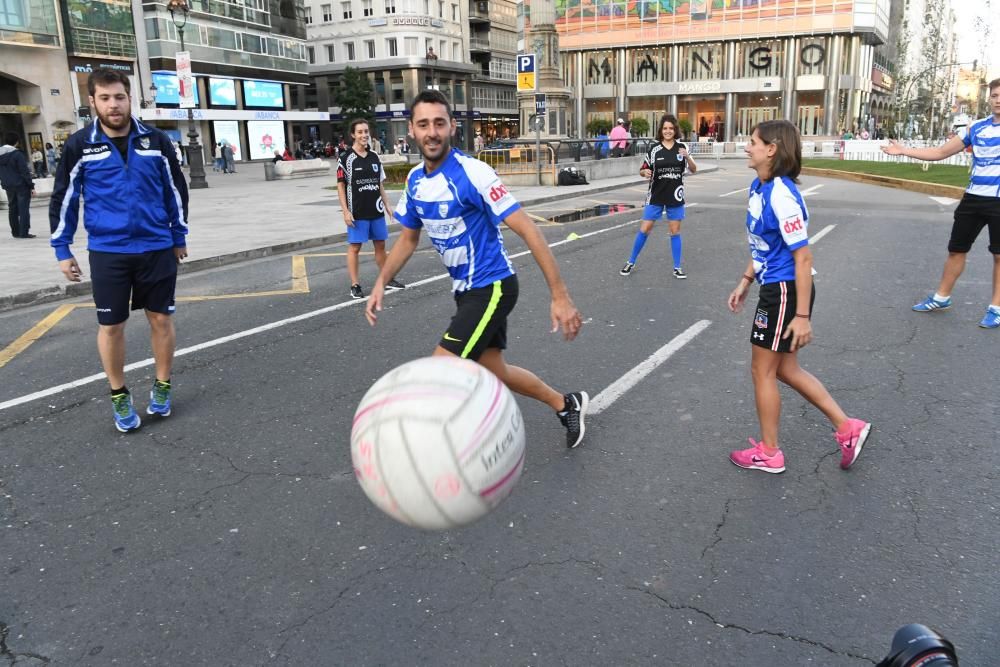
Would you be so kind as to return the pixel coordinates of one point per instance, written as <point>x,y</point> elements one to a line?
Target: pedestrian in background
<point>135,204</point>
<point>38,161</point>
<point>228,159</point>
<point>17,183</point>
<point>52,160</point>
<point>619,138</point>
<point>217,155</point>
<point>781,261</point>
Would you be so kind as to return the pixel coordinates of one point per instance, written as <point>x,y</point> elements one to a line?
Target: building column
<point>852,55</point>
<point>789,95</point>
<point>580,100</point>
<point>675,68</point>
<point>620,83</point>
<point>730,116</point>
<point>831,94</point>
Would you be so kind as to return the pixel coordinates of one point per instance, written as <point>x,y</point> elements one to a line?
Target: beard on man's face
<point>114,122</point>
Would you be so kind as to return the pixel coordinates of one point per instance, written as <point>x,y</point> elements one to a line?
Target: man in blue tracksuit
<point>135,213</point>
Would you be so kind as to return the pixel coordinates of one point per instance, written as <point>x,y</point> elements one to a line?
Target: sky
<point>972,48</point>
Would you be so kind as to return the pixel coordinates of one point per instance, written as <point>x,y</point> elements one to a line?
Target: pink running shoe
<point>754,458</point>
<point>852,441</point>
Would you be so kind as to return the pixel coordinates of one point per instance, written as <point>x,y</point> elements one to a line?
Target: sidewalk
<point>240,216</point>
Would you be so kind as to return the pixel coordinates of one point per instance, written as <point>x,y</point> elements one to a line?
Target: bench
<point>284,171</point>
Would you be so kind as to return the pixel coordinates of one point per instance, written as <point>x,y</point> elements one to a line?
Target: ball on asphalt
<point>437,442</point>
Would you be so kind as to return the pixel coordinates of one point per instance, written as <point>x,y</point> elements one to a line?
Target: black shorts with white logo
<point>481,319</point>
<point>148,278</point>
<point>972,214</point>
<point>775,310</point>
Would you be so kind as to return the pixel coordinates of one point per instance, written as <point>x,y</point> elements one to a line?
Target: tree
<point>639,126</point>
<point>355,97</point>
<point>596,125</point>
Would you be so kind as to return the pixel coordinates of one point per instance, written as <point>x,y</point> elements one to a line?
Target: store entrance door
<point>751,116</point>
<point>810,118</point>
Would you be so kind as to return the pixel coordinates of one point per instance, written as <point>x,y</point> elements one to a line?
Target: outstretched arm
<point>564,313</point>
<point>945,150</point>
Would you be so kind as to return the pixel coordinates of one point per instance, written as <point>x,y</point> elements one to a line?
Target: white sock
<point>995,307</point>
<point>939,298</point>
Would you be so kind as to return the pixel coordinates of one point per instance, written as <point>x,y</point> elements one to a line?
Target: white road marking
<point>735,191</point>
<point>256,330</point>
<point>618,388</point>
<point>945,201</point>
<point>811,191</point>
<point>823,232</point>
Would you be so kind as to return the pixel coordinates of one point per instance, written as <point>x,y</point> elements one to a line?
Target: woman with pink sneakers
<point>781,261</point>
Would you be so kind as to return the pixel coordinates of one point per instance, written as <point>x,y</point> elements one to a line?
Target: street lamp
<point>196,158</point>
<point>432,60</point>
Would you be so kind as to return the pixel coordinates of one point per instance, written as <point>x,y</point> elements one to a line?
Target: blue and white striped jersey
<point>777,224</point>
<point>461,205</point>
<point>984,137</point>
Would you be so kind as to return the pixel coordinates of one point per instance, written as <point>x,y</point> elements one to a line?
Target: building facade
<point>249,62</point>
<point>493,46</point>
<point>723,65</point>
<point>36,96</point>
<point>402,46</point>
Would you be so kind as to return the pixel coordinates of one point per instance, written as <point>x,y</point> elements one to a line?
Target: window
<point>308,15</point>
<point>441,49</point>
<point>327,13</point>
<point>12,13</point>
<point>348,14</point>
<point>370,48</point>
<point>392,47</point>
<point>410,45</point>
<point>349,49</point>
<point>390,6</point>
<point>427,7</point>
<point>311,55</point>
<point>366,6</point>
<point>330,57</point>
<point>440,9</point>
<point>454,12</point>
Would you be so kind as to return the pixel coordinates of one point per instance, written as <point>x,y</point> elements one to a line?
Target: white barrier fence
<point>870,151</point>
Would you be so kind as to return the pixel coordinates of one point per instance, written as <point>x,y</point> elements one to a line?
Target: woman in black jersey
<point>664,167</point>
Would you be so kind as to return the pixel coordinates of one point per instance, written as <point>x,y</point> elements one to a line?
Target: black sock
<point>123,390</point>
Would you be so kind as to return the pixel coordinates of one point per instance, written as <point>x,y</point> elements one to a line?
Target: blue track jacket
<point>127,208</point>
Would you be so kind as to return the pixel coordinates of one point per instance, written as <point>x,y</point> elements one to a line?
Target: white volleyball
<point>437,442</point>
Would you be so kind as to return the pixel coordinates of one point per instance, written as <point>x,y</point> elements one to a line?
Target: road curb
<point>934,189</point>
<point>72,290</point>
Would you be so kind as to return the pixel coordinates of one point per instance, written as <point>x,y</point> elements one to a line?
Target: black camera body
<point>916,645</point>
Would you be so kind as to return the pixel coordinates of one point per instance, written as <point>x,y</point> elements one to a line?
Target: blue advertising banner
<point>263,94</point>
<point>222,92</point>
<point>168,89</point>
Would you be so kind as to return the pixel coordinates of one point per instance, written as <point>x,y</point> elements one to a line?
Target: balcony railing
<point>103,43</point>
<point>479,44</point>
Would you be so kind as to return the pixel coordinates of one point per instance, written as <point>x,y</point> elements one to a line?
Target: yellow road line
<point>34,333</point>
<point>300,279</point>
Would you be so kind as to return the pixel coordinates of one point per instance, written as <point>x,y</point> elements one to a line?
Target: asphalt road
<point>233,533</point>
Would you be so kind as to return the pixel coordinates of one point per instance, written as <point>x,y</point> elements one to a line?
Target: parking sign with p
<point>525,72</point>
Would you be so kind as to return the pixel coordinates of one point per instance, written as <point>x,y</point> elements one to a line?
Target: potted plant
<point>686,127</point>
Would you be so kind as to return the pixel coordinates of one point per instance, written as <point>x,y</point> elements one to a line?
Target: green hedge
<point>396,173</point>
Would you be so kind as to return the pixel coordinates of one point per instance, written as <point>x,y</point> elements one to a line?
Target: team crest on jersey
<point>375,167</point>
<point>443,209</point>
<point>761,320</point>
<point>144,143</point>
<point>680,158</point>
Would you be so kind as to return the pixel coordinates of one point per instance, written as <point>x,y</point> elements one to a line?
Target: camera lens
<point>917,645</point>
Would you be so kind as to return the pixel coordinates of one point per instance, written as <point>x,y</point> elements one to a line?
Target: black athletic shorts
<point>775,310</point>
<point>972,214</point>
<point>481,319</point>
<point>148,278</point>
